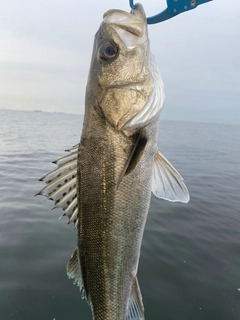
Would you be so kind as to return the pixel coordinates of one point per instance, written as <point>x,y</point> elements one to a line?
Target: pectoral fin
<point>167,183</point>
<point>135,309</point>
<point>139,143</point>
<point>137,152</point>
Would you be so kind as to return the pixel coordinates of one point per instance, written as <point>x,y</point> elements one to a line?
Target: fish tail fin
<point>135,309</point>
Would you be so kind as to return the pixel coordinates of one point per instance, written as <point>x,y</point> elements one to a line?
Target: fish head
<point>121,79</point>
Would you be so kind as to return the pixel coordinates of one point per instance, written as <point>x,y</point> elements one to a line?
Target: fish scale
<point>97,209</point>
<point>113,223</point>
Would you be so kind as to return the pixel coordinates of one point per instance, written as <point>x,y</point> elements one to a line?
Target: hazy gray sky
<point>46,46</point>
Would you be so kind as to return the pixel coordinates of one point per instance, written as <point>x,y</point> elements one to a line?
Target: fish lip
<point>138,11</point>
<point>134,22</point>
<point>122,12</point>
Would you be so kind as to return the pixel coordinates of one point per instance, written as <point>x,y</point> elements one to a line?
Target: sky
<point>46,47</point>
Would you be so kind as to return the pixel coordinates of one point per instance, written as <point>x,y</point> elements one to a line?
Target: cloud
<point>46,49</point>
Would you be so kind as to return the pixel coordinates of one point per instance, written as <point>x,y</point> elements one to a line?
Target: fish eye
<point>108,51</point>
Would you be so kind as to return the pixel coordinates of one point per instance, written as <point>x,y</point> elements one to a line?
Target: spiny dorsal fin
<point>62,185</point>
<point>167,183</point>
<point>135,309</point>
<point>74,271</point>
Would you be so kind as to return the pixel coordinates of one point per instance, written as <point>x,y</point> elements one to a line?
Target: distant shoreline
<point>162,119</point>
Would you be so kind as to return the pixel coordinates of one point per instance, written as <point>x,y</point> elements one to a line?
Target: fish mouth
<point>138,11</point>
<point>131,27</point>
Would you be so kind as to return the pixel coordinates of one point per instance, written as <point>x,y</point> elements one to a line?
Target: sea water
<point>190,259</point>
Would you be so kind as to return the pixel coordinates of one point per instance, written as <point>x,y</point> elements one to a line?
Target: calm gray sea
<point>190,260</point>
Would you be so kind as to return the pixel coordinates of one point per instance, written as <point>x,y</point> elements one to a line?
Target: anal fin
<point>74,271</point>
<point>135,310</point>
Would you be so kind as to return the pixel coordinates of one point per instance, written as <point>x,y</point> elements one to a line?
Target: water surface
<point>190,260</point>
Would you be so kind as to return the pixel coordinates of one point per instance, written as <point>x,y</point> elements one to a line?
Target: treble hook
<point>174,7</point>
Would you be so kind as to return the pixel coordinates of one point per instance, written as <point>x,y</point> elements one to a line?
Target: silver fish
<point>104,185</point>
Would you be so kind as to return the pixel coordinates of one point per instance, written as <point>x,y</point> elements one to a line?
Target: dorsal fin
<point>62,185</point>
<point>135,310</point>
<point>74,271</point>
